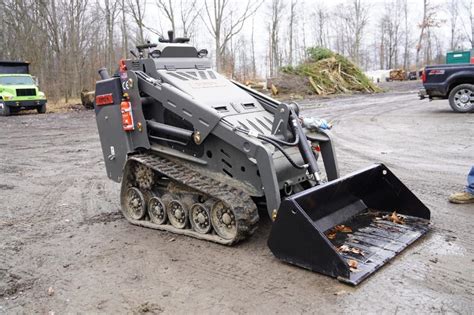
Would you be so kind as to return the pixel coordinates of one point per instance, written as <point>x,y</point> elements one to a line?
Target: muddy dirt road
<point>60,225</point>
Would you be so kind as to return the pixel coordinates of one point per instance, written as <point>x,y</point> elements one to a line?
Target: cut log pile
<point>397,75</point>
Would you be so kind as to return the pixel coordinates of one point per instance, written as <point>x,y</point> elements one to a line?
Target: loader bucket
<point>347,228</point>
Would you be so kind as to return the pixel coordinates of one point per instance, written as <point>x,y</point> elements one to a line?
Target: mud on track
<point>60,225</point>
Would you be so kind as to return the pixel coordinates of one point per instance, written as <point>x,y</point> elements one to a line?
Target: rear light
<point>122,65</point>
<point>423,76</point>
<point>316,148</point>
<point>104,99</point>
<point>127,116</point>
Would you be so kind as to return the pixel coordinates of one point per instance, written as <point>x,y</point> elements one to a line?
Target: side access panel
<point>114,141</point>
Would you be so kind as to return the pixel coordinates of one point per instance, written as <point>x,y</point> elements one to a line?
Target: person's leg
<point>467,196</point>
<point>470,182</point>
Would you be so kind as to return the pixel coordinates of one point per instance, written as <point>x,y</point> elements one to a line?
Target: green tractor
<point>18,89</point>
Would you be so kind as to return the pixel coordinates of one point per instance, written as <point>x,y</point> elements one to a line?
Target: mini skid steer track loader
<point>196,153</point>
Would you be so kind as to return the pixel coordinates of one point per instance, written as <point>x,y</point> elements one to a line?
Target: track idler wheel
<point>157,210</point>
<point>223,220</point>
<point>135,205</point>
<point>200,217</point>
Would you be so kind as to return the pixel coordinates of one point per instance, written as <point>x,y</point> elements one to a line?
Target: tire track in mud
<point>347,110</point>
<point>352,142</point>
<point>97,195</point>
<point>43,219</point>
<point>247,275</point>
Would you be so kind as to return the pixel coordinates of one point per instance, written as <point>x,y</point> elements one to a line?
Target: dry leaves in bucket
<point>352,264</point>
<point>331,235</point>
<point>395,218</point>
<point>343,229</point>
<point>347,249</point>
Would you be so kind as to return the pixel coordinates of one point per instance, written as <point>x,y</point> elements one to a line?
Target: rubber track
<point>245,210</point>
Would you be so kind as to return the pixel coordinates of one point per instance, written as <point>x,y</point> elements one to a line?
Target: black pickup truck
<point>454,82</point>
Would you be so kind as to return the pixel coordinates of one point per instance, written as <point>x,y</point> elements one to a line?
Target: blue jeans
<point>470,181</point>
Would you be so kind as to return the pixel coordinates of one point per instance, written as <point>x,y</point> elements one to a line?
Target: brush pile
<point>324,73</point>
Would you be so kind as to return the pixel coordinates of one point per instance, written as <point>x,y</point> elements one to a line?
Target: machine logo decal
<point>127,85</point>
<point>206,84</point>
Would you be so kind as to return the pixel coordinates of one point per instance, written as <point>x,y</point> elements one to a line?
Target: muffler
<point>350,227</point>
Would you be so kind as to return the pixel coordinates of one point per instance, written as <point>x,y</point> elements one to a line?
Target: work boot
<point>461,197</point>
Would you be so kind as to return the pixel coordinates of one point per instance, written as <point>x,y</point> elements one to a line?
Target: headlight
<point>6,97</point>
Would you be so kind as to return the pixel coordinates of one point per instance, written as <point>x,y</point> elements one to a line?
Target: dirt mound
<point>324,73</point>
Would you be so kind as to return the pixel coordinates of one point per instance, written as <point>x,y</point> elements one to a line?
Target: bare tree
<point>252,49</point>
<point>406,37</point>
<point>389,26</point>
<point>358,19</point>
<point>223,21</point>
<point>188,12</point>
<point>137,10</point>
<point>276,12</point>
<point>290,31</point>
<point>452,7</point>
<point>428,22</point>
<point>124,29</point>
<point>351,21</point>
<point>320,22</point>
<point>110,11</point>
<point>166,6</point>
<point>301,38</point>
<point>468,26</point>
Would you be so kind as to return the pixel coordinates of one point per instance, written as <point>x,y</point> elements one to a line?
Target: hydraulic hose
<point>304,147</point>
<point>275,143</point>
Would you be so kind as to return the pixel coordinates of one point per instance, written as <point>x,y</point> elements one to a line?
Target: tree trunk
<point>252,48</point>
<point>420,39</point>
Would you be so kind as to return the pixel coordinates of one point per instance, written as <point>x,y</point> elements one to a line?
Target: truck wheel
<point>461,98</point>
<point>5,111</point>
<point>41,109</point>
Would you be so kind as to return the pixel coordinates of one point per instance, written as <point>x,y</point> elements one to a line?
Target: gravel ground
<point>65,248</point>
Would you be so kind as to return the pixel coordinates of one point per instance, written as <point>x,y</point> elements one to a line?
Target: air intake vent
<point>25,92</point>
<point>176,76</point>
<point>187,75</point>
<point>211,74</point>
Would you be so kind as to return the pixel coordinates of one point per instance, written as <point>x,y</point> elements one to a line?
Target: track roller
<point>177,211</point>
<point>200,217</point>
<point>157,210</point>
